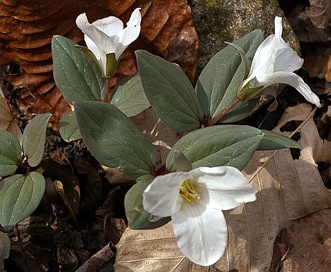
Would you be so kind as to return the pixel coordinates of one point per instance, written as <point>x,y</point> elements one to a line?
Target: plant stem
<point>214,120</point>
<point>106,98</point>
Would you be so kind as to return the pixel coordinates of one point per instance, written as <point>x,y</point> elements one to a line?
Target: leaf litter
<point>289,189</point>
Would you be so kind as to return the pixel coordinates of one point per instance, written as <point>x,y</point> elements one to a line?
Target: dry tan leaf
<point>310,243</point>
<point>320,149</point>
<point>27,27</point>
<point>161,135</point>
<point>7,122</point>
<point>288,189</point>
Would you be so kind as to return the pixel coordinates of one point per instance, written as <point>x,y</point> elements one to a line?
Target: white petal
<point>103,42</point>
<point>110,25</point>
<point>287,60</point>
<point>264,58</point>
<point>131,32</point>
<point>201,233</point>
<point>293,80</point>
<point>93,47</point>
<point>278,27</point>
<point>161,197</point>
<point>223,187</point>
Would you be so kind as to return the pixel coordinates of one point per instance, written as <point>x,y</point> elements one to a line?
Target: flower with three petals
<point>195,201</point>
<point>274,62</point>
<point>107,38</point>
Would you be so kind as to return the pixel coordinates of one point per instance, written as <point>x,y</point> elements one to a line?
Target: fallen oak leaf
<point>26,30</point>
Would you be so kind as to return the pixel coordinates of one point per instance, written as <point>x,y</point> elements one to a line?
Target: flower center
<point>188,191</point>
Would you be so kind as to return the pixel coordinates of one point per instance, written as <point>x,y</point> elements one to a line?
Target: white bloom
<point>107,35</point>
<point>195,201</point>
<point>274,62</point>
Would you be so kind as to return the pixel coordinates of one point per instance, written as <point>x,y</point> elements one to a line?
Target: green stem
<point>214,120</point>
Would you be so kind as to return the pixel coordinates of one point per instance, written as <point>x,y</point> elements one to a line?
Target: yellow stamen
<point>188,191</point>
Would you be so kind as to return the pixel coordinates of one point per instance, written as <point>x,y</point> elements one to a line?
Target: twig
<point>60,190</point>
<point>290,136</point>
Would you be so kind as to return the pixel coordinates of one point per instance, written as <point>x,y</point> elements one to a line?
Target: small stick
<point>60,190</point>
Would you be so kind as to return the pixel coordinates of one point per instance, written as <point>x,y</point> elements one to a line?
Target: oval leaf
<point>10,153</point>
<point>220,80</point>
<point>272,140</point>
<point>129,96</point>
<point>5,241</point>
<point>137,217</point>
<point>68,127</point>
<point>114,140</point>
<point>77,75</point>
<point>169,91</point>
<point>231,145</point>
<point>34,137</point>
<point>19,196</point>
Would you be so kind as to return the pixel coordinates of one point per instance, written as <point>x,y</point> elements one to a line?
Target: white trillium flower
<point>195,201</point>
<point>108,35</point>
<point>274,62</point>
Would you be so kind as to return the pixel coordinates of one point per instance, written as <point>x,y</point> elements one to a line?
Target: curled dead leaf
<point>26,30</point>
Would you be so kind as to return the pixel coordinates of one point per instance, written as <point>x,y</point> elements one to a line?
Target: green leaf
<point>76,74</point>
<point>19,196</point>
<point>129,96</point>
<point>34,137</point>
<point>169,91</point>
<point>10,153</point>
<point>231,145</point>
<point>220,80</point>
<point>5,241</point>
<point>273,140</point>
<point>114,140</point>
<point>68,127</point>
<point>137,217</point>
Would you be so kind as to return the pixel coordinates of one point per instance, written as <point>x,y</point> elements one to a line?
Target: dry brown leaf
<point>318,64</point>
<point>7,122</point>
<point>288,189</point>
<point>319,12</point>
<point>27,27</point>
<point>310,243</point>
<point>311,20</point>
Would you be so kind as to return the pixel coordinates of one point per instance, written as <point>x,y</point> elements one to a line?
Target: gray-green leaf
<point>68,127</point>
<point>10,153</point>
<point>33,140</point>
<point>231,145</point>
<point>169,91</point>
<point>137,217</point>
<point>76,74</point>
<point>220,80</point>
<point>129,96</point>
<point>272,140</point>
<point>19,196</point>
<point>114,140</point>
<point>5,241</point>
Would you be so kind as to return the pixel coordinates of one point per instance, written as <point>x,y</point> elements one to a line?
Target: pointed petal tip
<point>278,27</point>
<point>81,20</point>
